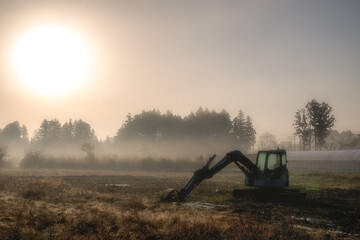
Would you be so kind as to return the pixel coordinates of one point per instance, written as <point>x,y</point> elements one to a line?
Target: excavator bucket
<point>169,195</point>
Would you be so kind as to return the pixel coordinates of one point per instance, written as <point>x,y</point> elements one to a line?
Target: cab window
<point>273,161</point>
<point>283,159</point>
<point>261,162</point>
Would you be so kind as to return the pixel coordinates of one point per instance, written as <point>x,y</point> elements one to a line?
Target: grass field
<point>55,204</point>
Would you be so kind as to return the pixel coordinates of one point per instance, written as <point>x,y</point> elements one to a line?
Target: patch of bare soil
<point>128,207</point>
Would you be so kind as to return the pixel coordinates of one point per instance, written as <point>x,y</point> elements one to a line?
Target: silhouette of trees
<point>152,125</point>
<point>316,118</point>
<point>83,131</point>
<point>3,152</point>
<point>49,132</point>
<point>172,126</point>
<point>68,131</point>
<point>244,131</point>
<point>24,133</point>
<point>52,132</point>
<point>204,124</point>
<point>89,150</point>
<point>13,132</point>
<point>208,124</point>
<point>321,120</point>
<point>302,128</point>
<point>148,125</point>
<point>345,140</point>
<point>250,132</point>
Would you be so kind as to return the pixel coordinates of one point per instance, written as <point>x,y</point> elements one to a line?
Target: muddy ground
<point>112,205</point>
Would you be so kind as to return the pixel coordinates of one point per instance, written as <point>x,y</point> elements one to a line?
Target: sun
<point>51,60</point>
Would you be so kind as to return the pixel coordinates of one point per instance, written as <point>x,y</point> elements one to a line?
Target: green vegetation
<point>325,180</point>
<point>110,205</point>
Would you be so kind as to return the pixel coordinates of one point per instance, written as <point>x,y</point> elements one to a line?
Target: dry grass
<point>94,207</point>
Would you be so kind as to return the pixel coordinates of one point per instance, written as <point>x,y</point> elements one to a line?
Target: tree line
<point>13,132</point>
<point>50,131</point>
<point>146,126</point>
<point>203,124</point>
<point>312,124</point>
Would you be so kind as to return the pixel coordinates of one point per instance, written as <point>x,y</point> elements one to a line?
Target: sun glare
<point>51,60</point>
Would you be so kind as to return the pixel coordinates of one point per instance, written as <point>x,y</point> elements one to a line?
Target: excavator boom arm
<point>205,172</point>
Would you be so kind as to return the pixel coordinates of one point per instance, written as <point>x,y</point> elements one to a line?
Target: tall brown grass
<point>51,208</point>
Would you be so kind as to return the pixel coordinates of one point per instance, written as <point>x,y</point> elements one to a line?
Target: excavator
<point>269,174</point>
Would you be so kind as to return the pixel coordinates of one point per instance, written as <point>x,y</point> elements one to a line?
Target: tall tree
<point>127,129</point>
<point>3,152</point>
<point>208,124</point>
<point>321,121</point>
<point>11,132</point>
<point>244,132</point>
<point>303,128</point>
<point>68,131</point>
<point>49,132</point>
<point>42,133</point>
<point>250,132</point>
<point>83,131</point>
<point>24,133</point>
<point>239,128</point>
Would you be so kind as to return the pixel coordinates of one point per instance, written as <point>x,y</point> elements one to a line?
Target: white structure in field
<point>341,160</point>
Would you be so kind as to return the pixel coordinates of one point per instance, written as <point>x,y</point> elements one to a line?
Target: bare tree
<point>88,148</point>
<point>267,141</point>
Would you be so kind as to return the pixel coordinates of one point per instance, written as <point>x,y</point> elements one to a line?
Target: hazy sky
<point>267,58</point>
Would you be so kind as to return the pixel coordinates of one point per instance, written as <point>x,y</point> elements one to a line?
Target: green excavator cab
<point>271,170</point>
